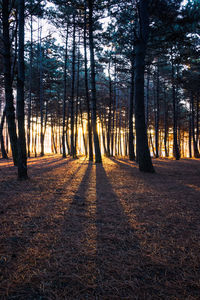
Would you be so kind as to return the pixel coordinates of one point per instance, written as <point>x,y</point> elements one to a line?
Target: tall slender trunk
<point>144,158</point>
<point>103,134</point>
<point>22,160</point>
<point>126,135</point>
<point>197,122</point>
<point>3,150</point>
<point>46,118</point>
<point>166,124</point>
<point>30,87</point>
<point>157,112</point>
<point>152,145</point>
<point>10,110</point>
<point>86,86</point>
<point>109,113</point>
<point>113,127</point>
<point>190,132</point>
<point>147,100</point>
<point>131,136</point>
<point>84,136</point>
<point>116,121</point>
<point>195,148</point>
<point>176,151</point>
<point>36,133</point>
<point>41,99</point>
<point>64,94</point>
<point>120,126</point>
<point>32,132</point>
<point>113,116</point>
<point>66,135</point>
<point>77,96</point>
<point>93,85</point>
<point>73,154</point>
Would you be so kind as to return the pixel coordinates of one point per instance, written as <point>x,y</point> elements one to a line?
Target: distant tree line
<point>126,73</point>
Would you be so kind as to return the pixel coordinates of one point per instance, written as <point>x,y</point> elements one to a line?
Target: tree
<point>3,151</point>
<point>22,161</point>
<point>10,110</point>
<point>93,85</point>
<point>144,158</point>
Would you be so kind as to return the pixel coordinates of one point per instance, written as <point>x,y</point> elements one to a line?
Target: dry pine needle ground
<point>77,230</point>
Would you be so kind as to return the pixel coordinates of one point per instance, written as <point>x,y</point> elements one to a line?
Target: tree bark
<point>64,95</point>
<point>73,154</point>
<point>131,136</point>
<point>157,113</point>
<point>144,158</point>
<point>10,110</point>
<point>3,150</point>
<point>84,136</point>
<point>41,99</point>
<point>77,95</point>
<point>176,151</point>
<point>86,86</point>
<point>197,121</point>
<point>166,124</point>
<point>22,160</point>
<point>109,113</point>
<point>93,85</point>
<point>195,148</point>
<point>30,87</point>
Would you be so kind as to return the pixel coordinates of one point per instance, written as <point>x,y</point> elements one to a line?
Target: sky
<point>49,29</point>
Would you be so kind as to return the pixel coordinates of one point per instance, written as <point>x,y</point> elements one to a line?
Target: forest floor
<point>77,230</point>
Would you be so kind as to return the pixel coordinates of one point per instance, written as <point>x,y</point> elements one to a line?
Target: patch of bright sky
<point>46,27</point>
<point>184,2</point>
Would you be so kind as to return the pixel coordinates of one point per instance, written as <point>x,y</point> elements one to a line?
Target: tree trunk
<point>144,158</point>
<point>116,122</point>
<point>36,132</point>
<point>103,135</point>
<point>66,135</point>
<point>64,96</point>
<point>10,111</point>
<point>73,154</point>
<point>109,113</point>
<point>93,85</point>
<point>84,136</point>
<point>113,128</point>
<point>166,125</point>
<point>157,113</point>
<point>195,148</point>
<point>176,151</point>
<point>41,100</point>
<point>77,95</point>
<point>3,151</point>
<point>113,116</point>
<point>22,160</point>
<point>30,87</point>
<point>120,126</point>
<point>147,100</point>
<point>86,86</point>
<point>197,122</point>
<point>131,136</point>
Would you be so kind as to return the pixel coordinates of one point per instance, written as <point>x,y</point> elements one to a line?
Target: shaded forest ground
<point>77,230</point>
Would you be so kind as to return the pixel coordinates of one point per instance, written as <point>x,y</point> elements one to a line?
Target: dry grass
<point>77,230</point>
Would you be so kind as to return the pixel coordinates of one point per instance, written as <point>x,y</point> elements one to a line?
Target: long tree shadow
<point>66,265</point>
<point>168,226</point>
<point>117,244</point>
<point>50,165</point>
<point>72,276</point>
<point>124,164</point>
<point>39,224</point>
